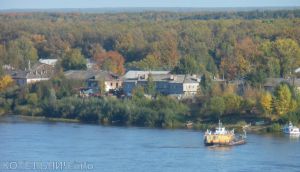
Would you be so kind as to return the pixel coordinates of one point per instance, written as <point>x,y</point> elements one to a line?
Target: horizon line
<point>154,7</point>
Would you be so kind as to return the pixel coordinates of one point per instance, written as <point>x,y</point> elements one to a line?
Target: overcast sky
<point>44,4</point>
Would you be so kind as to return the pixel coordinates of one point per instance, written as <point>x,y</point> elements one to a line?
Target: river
<point>54,146</point>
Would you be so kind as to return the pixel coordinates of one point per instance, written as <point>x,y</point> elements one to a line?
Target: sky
<point>50,4</point>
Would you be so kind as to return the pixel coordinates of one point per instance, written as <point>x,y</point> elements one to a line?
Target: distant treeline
<point>220,43</point>
<point>248,15</point>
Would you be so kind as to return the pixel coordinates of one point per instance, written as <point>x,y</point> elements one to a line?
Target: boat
<point>189,124</point>
<point>291,129</point>
<point>223,137</point>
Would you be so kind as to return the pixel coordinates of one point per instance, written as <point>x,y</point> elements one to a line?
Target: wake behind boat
<point>223,137</point>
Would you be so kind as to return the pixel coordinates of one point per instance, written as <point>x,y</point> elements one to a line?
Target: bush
<point>294,117</point>
<point>275,128</point>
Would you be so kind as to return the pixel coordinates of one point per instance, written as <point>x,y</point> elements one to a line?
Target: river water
<point>49,146</point>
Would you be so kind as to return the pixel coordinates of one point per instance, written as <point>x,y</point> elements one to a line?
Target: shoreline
<point>197,127</point>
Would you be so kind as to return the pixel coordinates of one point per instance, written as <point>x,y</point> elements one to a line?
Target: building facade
<point>39,72</point>
<point>93,77</point>
<point>166,84</point>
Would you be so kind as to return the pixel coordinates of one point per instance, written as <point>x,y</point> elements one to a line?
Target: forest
<point>247,45</point>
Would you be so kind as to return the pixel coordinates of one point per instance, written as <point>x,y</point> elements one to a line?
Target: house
<point>39,72</point>
<point>111,81</point>
<point>93,77</point>
<point>272,83</point>
<point>165,83</point>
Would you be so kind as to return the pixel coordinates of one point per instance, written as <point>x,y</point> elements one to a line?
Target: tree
<point>101,85</point>
<point>216,89</point>
<point>32,98</point>
<point>20,52</point>
<point>216,106</point>
<point>282,100</point>
<point>111,61</point>
<point>288,53</point>
<point>168,49</point>
<point>150,62</point>
<point>74,60</point>
<point>206,83</point>
<point>2,54</point>
<point>138,93</point>
<point>188,65</point>
<point>256,78</point>
<point>266,102</point>
<point>5,82</point>
<point>150,87</point>
<point>233,103</point>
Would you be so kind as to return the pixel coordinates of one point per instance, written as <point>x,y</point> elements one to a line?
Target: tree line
<point>231,47</point>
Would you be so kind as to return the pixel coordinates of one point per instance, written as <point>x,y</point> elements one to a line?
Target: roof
<point>39,70</point>
<point>273,82</point>
<point>79,74</point>
<point>136,73</point>
<point>48,61</point>
<point>90,74</point>
<point>170,78</point>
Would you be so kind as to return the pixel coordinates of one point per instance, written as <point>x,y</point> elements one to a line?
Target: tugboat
<point>223,137</point>
<point>290,129</point>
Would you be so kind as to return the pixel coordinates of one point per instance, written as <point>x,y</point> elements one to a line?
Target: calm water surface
<point>136,149</point>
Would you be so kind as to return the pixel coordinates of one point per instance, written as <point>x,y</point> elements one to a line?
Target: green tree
<point>101,85</point>
<point>138,93</point>
<point>188,65</point>
<point>206,83</point>
<point>74,60</point>
<point>216,106</point>
<point>233,103</point>
<point>150,87</point>
<point>32,99</point>
<point>288,53</point>
<point>20,52</point>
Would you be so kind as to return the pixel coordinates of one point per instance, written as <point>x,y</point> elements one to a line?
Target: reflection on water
<point>219,148</point>
<point>129,149</point>
<point>294,137</point>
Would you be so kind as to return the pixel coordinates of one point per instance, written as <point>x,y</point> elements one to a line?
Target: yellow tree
<point>266,102</point>
<point>282,100</point>
<point>5,82</point>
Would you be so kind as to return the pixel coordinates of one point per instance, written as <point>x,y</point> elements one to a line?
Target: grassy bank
<point>42,118</point>
<point>258,129</point>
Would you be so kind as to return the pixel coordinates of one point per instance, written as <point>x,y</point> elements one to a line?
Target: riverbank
<point>42,118</point>
<point>257,129</point>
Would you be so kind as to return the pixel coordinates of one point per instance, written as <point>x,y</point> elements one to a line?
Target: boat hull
<point>232,143</point>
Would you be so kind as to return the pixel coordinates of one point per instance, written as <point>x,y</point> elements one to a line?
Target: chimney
<point>173,77</point>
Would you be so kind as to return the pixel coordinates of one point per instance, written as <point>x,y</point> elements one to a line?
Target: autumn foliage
<point>110,61</point>
<point>5,82</point>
